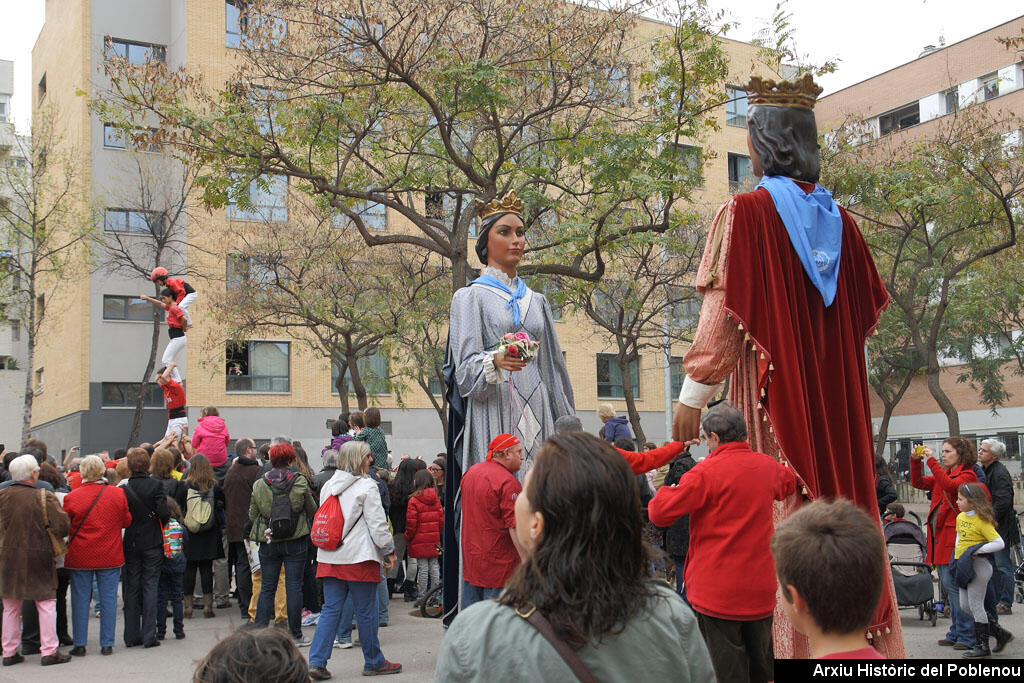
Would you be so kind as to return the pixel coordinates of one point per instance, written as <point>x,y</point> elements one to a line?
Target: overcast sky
<point>868,37</point>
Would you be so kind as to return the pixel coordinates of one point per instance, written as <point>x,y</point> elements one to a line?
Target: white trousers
<point>174,346</point>
<point>187,301</point>
<point>175,425</point>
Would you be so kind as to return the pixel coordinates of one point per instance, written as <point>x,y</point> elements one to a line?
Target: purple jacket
<point>617,428</point>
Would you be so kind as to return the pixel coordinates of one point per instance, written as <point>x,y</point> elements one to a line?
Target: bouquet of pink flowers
<point>519,345</point>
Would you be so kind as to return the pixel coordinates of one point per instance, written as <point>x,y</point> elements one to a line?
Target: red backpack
<point>328,525</point>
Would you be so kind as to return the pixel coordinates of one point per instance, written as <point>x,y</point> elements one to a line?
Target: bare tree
<point>45,231</point>
<point>148,229</point>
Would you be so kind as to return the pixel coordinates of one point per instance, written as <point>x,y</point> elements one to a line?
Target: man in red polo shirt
<point>730,576</point>
<point>490,548</point>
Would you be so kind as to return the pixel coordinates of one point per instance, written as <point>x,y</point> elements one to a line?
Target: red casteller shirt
<point>175,316</point>
<point>177,285</point>
<point>174,397</point>
<point>729,496</point>
<point>489,493</point>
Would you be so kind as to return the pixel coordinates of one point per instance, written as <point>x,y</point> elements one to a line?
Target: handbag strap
<point>42,502</point>
<point>86,516</point>
<point>539,622</point>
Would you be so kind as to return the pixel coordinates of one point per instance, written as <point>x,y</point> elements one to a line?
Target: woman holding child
<point>958,458</point>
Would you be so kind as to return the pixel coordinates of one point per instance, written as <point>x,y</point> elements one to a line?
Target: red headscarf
<point>500,443</point>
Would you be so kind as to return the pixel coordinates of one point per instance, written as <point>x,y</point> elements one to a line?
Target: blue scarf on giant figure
<point>815,230</point>
<point>513,303</point>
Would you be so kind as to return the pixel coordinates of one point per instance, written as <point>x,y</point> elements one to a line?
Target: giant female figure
<point>488,392</point>
<point>790,295</point>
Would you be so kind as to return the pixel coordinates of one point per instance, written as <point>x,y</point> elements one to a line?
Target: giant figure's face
<point>506,241</point>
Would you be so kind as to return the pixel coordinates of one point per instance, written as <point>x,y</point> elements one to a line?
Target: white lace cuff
<point>492,373</point>
<point>696,395</point>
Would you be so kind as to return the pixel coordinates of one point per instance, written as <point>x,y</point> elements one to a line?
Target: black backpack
<point>282,519</point>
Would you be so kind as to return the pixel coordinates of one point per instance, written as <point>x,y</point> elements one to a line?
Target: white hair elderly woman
<point>97,512</point>
<point>28,571</point>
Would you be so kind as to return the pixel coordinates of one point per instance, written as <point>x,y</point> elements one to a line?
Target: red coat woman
<point>424,520</point>
<point>955,469</point>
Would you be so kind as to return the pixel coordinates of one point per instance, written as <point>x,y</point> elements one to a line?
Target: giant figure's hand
<point>685,423</point>
<point>508,363</point>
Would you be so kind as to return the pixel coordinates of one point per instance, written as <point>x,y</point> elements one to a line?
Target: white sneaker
<point>343,645</point>
<point>310,618</point>
<point>304,641</point>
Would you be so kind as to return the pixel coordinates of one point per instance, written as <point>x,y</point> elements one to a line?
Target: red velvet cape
<point>811,361</point>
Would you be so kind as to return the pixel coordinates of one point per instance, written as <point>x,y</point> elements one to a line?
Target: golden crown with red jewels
<point>801,94</point>
<point>510,203</point>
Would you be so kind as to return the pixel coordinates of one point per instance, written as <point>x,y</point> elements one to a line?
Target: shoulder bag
<point>59,548</point>
<point>539,622</point>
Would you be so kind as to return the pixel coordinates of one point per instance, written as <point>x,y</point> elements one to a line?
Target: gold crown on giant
<point>802,93</point>
<point>510,203</point>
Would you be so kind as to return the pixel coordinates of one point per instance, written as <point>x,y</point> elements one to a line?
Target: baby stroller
<point>905,544</point>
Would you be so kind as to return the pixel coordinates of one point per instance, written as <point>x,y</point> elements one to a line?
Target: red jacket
<point>642,463</point>
<point>424,520</point>
<point>942,514</point>
<point>211,439</point>
<point>729,496</point>
<point>97,544</point>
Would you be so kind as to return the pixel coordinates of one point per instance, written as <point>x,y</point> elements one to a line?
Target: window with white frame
<point>735,106</point>
<point>609,377</point>
<point>248,272</point>
<point>121,307</point>
<point>133,221</point>
<point>134,52</point>
<point>898,119</point>
<point>741,173</point>
<point>373,373</point>
<point>266,199</point>
<point>258,366</point>
<point>989,86</point>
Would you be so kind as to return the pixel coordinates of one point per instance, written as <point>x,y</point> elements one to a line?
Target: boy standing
<point>830,560</point>
<point>177,322</point>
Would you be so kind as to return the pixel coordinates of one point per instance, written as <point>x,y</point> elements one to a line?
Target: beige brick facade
<point>63,52</point>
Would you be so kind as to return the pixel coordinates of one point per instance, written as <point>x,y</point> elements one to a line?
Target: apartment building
<point>910,101</point>
<point>13,347</point>
<point>266,386</point>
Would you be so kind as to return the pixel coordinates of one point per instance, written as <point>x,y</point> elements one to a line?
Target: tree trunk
<point>30,371</point>
<point>357,384</point>
<point>440,407</point>
<point>342,386</point>
<point>26,418</point>
<point>889,405</point>
<point>630,399</point>
<point>945,405</point>
<point>140,405</point>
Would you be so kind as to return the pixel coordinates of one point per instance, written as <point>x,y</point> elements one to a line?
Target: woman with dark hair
<point>614,620</point>
<point>202,547</point>
<point>339,434</point>
<point>400,489</point>
<point>958,458</point>
<point>884,489</point>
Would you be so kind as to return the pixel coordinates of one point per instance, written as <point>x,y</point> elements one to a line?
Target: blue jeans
<point>170,591</point>
<point>348,610</point>
<point>383,597</point>
<point>472,594</point>
<point>81,590</point>
<point>961,628</point>
<point>292,555</point>
<point>1003,577</point>
<point>364,598</point>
